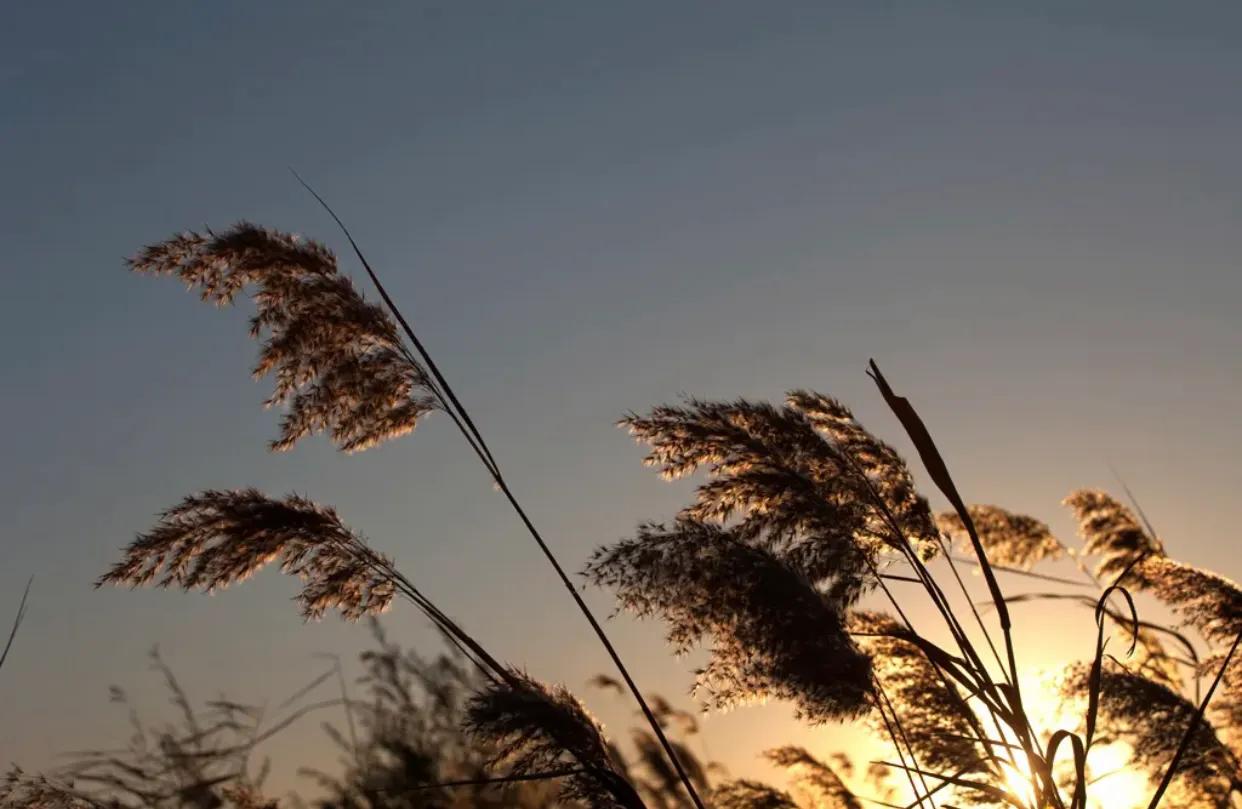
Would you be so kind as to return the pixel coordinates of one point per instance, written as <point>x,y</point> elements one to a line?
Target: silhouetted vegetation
<point>807,563</point>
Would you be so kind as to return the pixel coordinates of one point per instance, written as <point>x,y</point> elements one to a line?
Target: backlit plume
<point>774,635</point>
<point>745,794</point>
<point>812,776</point>
<point>1010,539</point>
<point>804,480</point>
<point>536,729</point>
<point>938,722</point>
<point>1110,531</point>
<point>21,791</point>
<point>1210,603</point>
<point>1140,712</point>
<point>337,360</point>
<point>214,539</point>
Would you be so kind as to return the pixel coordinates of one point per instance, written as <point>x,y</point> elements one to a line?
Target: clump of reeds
<point>801,513</point>
<point>342,366</point>
<point>806,490</point>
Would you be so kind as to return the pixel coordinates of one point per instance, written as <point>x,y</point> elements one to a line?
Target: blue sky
<point>1029,217</point>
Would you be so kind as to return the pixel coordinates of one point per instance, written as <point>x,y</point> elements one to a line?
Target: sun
<point>1113,780</point>
<point>1114,783</point>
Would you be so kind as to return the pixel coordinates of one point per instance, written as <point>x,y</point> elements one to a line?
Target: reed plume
<point>21,791</point>
<point>938,723</point>
<point>1153,659</point>
<point>773,633</point>
<point>801,480</point>
<point>1111,532</point>
<point>745,794</point>
<point>215,539</point>
<point>537,729</point>
<point>337,361</point>
<point>241,796</point>
<point>1015,540</point>
<point>660,784</point>
<point>820,781</point>
<point>1210,603</point>
<point>1227,709</point>
<point>803,512</point>
<point>669,714</point>
<point>885,470</point>
<point>1150,717</point>
<point>341,365</point>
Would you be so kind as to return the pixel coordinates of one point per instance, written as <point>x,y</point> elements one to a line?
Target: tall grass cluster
<point>806,563</point>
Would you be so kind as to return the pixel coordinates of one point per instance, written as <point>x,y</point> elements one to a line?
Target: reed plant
<point>800,516</point>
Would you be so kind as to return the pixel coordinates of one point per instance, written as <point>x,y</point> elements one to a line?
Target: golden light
<point>1113,783</point>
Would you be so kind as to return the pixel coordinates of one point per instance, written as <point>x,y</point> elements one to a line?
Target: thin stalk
<point>1190,730</point>
<point>883,705</point>
<point>939,472</point>
<point>936,467</point>
<point>17,621</point>
<point>974,611</point>
<point>944,678</point>
<point>1017,571</point>
<point>465,425</point>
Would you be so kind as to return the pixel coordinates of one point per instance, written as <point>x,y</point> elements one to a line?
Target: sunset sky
<point>1030,218</point>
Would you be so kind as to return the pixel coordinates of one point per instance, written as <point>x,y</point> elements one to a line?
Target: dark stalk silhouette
<point>17,621</point>
<point>465,424</point>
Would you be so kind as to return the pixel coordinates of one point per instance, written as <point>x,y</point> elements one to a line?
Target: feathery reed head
<point>1152,718</point>
<point>1009,539</point>
<point>745,794</point>
<point>937,721</point>
<point>815,777</point>
<point>804,480</point>
<point>535,728</point>
<point>773,633</point>
<point>1152,657</point>
<point>337,360</point>
<point>1209,602</point>
<point>1110,531</point>
<point>243,796</point>
<point>1226,709</point>
<point>886,471</point>
<point>661,780</point>
<point>21,791</point>
<point>214,539</point>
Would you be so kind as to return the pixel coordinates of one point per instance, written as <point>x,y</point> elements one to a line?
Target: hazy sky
<point>1029,217</point>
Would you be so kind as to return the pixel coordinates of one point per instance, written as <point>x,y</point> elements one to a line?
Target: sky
<point>1028,216</point>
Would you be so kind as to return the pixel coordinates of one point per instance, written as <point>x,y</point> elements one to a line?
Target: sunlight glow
<point>1112,782</point>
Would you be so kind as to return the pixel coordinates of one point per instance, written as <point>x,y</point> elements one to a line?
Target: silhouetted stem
<point>461,418</point>
<point>1190,730</point>
<point>17,621</point>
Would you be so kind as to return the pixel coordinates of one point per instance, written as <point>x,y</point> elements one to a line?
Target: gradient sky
<point>1029,217</point>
